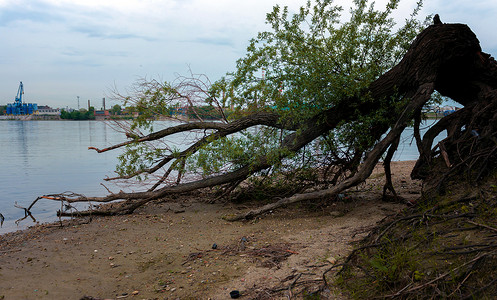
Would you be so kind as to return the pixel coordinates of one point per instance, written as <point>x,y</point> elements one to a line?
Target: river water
<point>50,157</point>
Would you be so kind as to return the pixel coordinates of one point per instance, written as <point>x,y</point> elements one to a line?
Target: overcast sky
<point>61,49</point>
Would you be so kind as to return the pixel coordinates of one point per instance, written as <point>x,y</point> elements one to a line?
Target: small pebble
<point>332,260</point>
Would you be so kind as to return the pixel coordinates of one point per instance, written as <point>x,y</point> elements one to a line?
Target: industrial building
<point>18,108</point>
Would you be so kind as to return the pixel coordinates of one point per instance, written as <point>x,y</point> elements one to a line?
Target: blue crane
<point>20,92</point>
<point>19,108</point>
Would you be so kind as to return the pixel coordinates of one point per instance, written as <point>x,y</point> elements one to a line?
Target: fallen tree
<point>303,121</point>
<point>332,103</point>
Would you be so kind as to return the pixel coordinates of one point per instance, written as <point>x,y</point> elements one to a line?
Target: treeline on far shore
<point>116,112</point>
<point>81,114</point>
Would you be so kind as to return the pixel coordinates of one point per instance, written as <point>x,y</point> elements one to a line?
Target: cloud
<point>217,41</point>
<point>104,32</point>
<point>34,13</point>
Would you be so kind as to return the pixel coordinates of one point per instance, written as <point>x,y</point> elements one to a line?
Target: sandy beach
<point>166,250</point>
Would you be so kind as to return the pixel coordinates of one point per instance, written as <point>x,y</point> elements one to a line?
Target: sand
<point>165,250</point>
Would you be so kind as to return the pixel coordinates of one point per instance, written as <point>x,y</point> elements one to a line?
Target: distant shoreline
<point>429,116</point>
<point>58,118</point>
<point>49,118</point>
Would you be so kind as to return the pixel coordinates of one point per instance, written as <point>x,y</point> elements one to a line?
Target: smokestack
<point>88,104</point>
<point>103,100</point>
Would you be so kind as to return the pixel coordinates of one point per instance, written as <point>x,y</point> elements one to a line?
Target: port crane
<point>19,108</point>
<point>20,92</point>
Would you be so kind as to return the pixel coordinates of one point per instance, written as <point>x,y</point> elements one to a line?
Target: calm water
<point>49,157</point>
